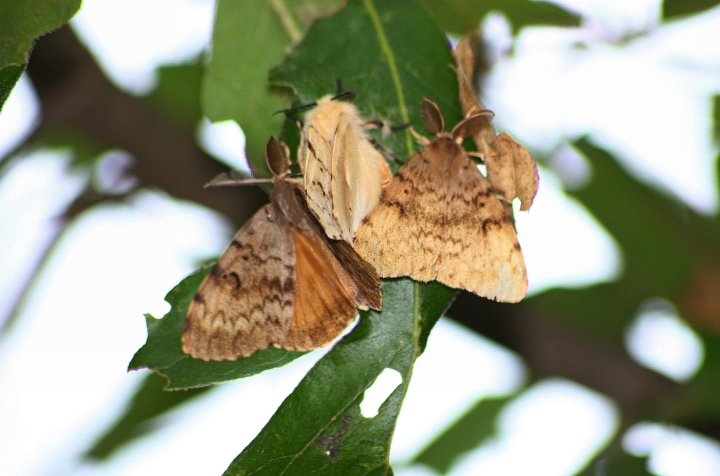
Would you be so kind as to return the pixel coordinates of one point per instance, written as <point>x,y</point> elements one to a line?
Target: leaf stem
<point>291,28</point>
<point>385,47</point>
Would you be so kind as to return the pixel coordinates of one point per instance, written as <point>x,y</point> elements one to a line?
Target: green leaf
<point>319,429</point>
<point>716,118</point>
<point>681,8</point>
<point>150,401</point>
<point>389,53</point>
<point>9,75</point>
<point>618,464</point>
<point>177,93</point>
<point>21,23</point>
<point>463,16</point>
<point>466,434</point>
<point>163,352</point>
<point>248,39</point>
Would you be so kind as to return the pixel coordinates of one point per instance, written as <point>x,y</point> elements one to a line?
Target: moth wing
<point>356,176</point>
<point>481,253</point>
<point>357,274</point>
<point>403,235</point>
<point>323,305</point>
<point>246,302</point>
<point>318,188</point>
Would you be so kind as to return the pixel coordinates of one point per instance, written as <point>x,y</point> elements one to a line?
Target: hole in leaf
<point>379,391</point>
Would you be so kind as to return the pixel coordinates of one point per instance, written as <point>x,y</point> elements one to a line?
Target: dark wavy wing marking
<point>403,236</point>
<point>481,252</point>
<point>246,302</point>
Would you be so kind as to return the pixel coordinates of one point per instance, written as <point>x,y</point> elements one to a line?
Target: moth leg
<point>422,140</point>
<point>387,153</point>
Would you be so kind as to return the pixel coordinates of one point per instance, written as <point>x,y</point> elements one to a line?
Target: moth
<point>344,172</point>
<point>439,219</point>
<point>511,169</point>
<point>281,281</point>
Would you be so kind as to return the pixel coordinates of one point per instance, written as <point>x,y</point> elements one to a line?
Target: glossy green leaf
<point>463,16</point>
<point>9,76</point>
<point>21,23</point>
<point>163,352</point>
<point>319,428</point>
<point>398,57</point>
<point>681,8</point>
<point>466,434</point>
<point>150,401</point>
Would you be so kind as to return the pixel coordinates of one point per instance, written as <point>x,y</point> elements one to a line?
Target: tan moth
<point>439,219</point>
<point>344,173</point>
<point>511,169</point>
<point>281,281</point>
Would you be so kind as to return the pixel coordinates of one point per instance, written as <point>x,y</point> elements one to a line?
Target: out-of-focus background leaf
<point>21,23</point>
<point>460,17</point>
<point>679,8</point>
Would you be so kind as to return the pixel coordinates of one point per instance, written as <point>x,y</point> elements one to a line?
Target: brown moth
<point>344,173</point>
<point>281,281</point>
<point>511,169</point>
<point>439,219</point>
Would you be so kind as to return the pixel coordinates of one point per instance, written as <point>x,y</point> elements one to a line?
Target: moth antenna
<point>277,155</point>
<point>289,111</point>
<point>431,116</point>
<point>349,95</point>
<point>342,93</point>
<point>472,125</point>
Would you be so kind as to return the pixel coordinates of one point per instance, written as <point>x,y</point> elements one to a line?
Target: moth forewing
<point>318,181</point>
<point>246,301</point>
<point>357,176</point>
<point>344,174</point>
<point>281,282</point>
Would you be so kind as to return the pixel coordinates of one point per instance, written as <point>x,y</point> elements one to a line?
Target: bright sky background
<point>62,367</point>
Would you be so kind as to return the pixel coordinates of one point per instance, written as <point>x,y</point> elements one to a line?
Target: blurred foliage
<point>681,8</point>
<point>177,93</point>
<point>461,17</point>
<point>149,402</point>
<point>716,118</point>
<point>298,49</point>
<point>21,23</point>
<point>471,430</point>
